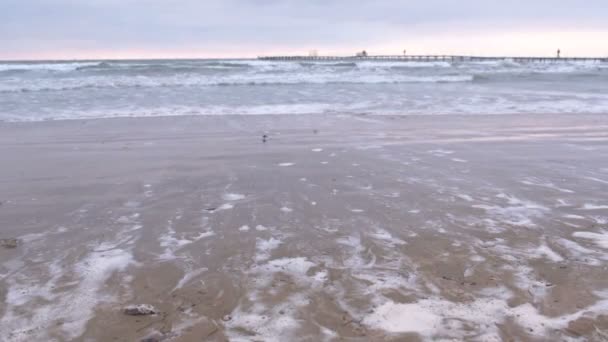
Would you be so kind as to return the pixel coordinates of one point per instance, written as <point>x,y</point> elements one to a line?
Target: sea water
<point>35,91</point>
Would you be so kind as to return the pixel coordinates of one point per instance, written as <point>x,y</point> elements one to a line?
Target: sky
<point>90,29</point>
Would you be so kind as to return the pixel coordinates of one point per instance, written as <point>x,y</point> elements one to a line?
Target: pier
<point>435,58</point>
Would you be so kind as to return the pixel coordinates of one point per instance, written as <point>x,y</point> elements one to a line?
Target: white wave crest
<point>193,80</point>
<point>67,66</point>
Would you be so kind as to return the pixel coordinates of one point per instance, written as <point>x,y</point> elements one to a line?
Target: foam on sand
<point>261,228</point>
<point>515,212</point>
<point>549,253</point>
<point>384,235</point>
<point>188,276</point>
<point>594,207</point>
<point>73,308</point>
<point>545,184</point>
<point>172,241</point>
<point>225,206</point>
<point>399,318</point>
<point>232,197</point>
<point>437,318</point>
<point>264,248</point>
<point>575,217</point>
<point>75,286</point>
<point>582,254</point>
<point>254,320</point>
<point>603,181</point>
<point>600,239</point>
<point>440,152</point>
<point>465,197</point>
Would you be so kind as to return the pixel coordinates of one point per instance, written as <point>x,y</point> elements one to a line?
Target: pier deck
<point>435,58</point>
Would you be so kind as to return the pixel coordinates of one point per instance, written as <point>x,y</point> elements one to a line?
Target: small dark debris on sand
<point>140,310</point>
<point>9,243</point>
<point>150,339</point>
<point>154,338</point>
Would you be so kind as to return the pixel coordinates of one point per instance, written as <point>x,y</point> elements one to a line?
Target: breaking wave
<point>56,67</point>
<point>240,80</point>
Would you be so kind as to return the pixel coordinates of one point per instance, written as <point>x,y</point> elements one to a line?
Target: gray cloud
<point>28,26</point>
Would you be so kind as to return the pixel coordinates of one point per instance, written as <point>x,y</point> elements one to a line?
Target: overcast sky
<point>39,29</point>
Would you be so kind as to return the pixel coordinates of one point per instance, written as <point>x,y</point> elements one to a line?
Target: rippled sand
<point>358,228</point>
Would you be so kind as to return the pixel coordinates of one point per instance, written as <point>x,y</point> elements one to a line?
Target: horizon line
<point>94,59</point>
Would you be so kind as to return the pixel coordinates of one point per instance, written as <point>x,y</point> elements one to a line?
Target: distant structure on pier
<point>362,54</point>
<point>313,53</point>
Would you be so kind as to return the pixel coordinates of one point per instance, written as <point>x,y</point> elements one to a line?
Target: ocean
<point>36,91</point>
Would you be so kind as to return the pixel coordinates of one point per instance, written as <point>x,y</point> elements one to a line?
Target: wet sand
<point>358,228</point>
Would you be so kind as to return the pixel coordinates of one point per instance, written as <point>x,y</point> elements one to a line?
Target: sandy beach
<point>337,228</point>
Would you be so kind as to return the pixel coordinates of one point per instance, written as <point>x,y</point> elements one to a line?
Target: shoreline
<point>320,115</point>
